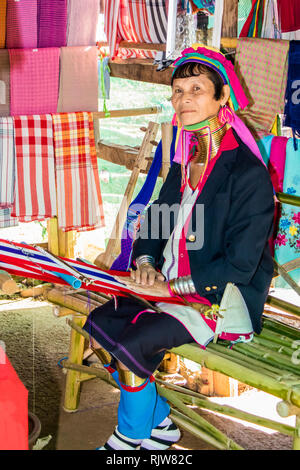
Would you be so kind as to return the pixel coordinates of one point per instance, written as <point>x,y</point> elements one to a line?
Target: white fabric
<point>233,308</point>
<point>218,19</point>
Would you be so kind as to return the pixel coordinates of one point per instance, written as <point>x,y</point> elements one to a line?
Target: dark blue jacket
<point>238,202</point>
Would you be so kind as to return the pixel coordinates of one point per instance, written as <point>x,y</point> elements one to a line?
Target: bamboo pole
<point>283,305</point>
<point>58,297</point>
<point>288,199</point>
<point>35,291</point>
<point>72,388</point>
<point>205,425</point>
<point>117,113</point>
<point>7,284</point>
<point>239,372</point>
<point>239,414</point>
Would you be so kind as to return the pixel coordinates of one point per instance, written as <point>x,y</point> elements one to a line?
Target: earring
<point>225,115</point>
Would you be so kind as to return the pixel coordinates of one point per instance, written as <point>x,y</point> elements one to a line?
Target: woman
<point>217,202</point>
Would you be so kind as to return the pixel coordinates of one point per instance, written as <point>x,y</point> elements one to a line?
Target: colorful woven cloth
<point>3,8</point>
<point>34,80</point>
<point>7,163</point>
<point>291,110</point>
<point>52,23</point>
<point>78,89</point>
<point>287,243</point>
<point>4,83</point>
<point>261,66</point>
<point>82,22</point>
<point>79,202</point>
<point>35,182</point>
<point>21,24</point>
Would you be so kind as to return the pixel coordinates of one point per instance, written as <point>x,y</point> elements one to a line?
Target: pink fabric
<point>34,77</point>
<point>276,169</point>
<point>277,162</point>
<point>21,24</point>
<point>78,88</point>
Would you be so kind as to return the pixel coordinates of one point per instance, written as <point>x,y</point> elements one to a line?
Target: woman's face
<point>193,99</point>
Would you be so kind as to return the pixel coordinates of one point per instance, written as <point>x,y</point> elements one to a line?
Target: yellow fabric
<point>256,17</point>
<point>3,4</point>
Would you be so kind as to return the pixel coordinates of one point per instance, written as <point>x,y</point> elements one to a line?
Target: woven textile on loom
<point>78,89</point>
<point>4,83</point>
<point>82,22</point>
<point>7,163</point>
<point>261,66</point>
<point>34,77</point>
<point>35,177</point>
<point>79,202</point>
<point>3,8</point>
<point>52,23</point>
<point>21,29</point>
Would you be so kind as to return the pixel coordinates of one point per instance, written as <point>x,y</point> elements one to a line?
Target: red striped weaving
<point>35,178</point>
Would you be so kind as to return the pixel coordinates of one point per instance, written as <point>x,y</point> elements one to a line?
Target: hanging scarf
<point>292,111</point>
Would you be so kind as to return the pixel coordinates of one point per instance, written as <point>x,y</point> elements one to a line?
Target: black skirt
<point>134,336</point>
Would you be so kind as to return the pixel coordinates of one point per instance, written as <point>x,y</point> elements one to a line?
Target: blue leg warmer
<point>140,410</point>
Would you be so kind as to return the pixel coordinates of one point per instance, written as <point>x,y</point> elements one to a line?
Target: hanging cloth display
<point>82,22</point>
<point>4,83</point>
<point>291,110</point>
<point>21,24</point>
<point>261,65</point>
<point>78,88</point>
<point>52,23</point>
<point>7,163</point>
<point>35,197</point>
<point>79,202</point>
<point>3,7</point>
<point>287,242</point>
<point>34,77</point>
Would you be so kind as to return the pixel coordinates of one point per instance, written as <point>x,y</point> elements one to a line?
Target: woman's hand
<point>146,275</point>
<point>158,288</point>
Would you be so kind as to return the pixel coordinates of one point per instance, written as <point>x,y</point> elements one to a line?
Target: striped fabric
<point>35,177</point>
<point>79,202</point>
<point>34,75</point>
<point>21,29</point>
<point>135,21</point>
<point>83,18</point>
<point>7,163</point>
<point>6,219</point>
<point>78,88</point>
<point>3,8</point>
<point>261,66</point>
<point>4,83</point>
<point>52,23</point>
<point>157,20</point>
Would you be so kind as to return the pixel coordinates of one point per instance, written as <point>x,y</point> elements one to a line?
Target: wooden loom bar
<point>117,113</point>
<point>7,284</point>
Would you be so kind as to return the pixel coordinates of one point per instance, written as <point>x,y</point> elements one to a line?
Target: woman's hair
<point>193,69</point>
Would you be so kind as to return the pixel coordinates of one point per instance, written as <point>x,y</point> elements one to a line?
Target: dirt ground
<point>36,340</point>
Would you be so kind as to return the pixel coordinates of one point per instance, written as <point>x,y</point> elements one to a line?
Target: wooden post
<point>105,260</point>
<point>72,389</point>
<point>230,19</point>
